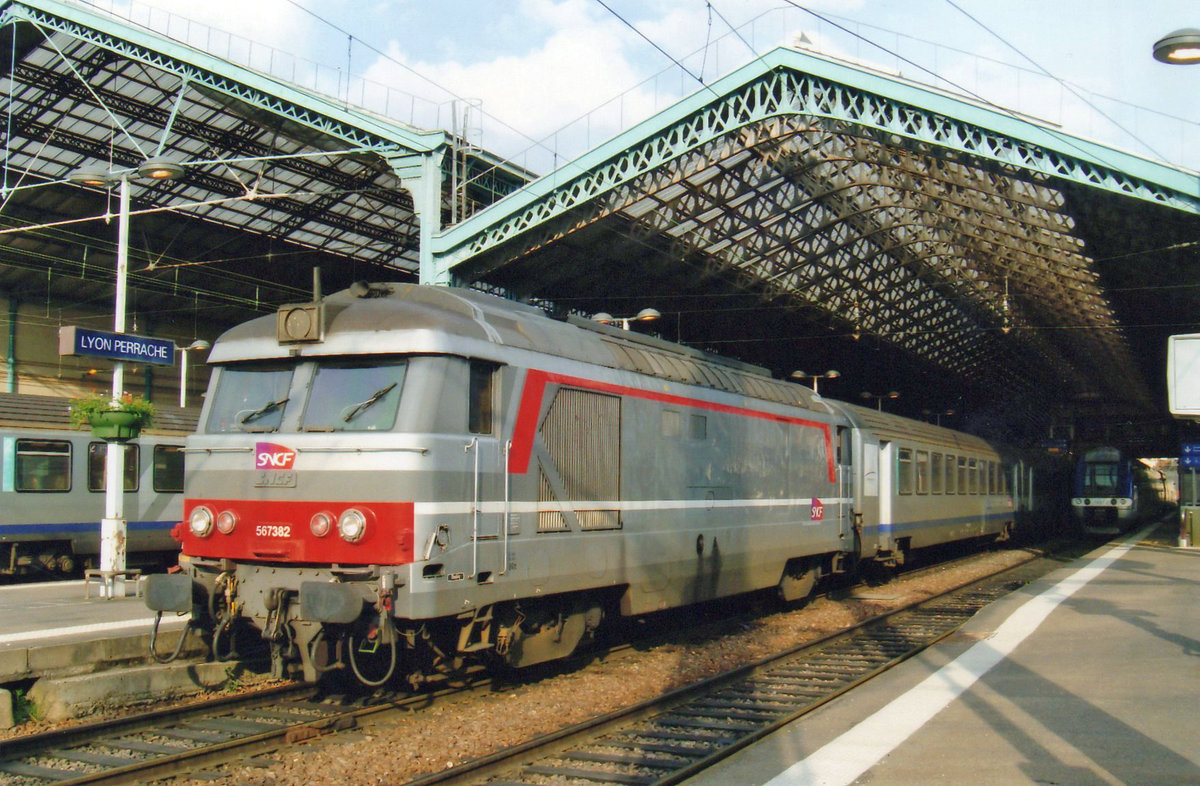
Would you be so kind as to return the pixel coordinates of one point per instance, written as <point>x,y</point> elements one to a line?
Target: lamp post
<point>1179,48</point>
<point>198,345</point>
<point>645,315</point>
<point>112,526</point>
<point>879,397</point>
<point>830,374</point>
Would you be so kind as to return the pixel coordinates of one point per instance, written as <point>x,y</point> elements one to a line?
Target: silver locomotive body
<point>420,475</point>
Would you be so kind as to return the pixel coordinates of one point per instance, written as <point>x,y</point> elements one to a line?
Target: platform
<point>1090,675</point>
<point>50,628</point>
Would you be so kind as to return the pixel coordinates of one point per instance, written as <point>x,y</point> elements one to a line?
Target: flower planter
<point>115,425</point>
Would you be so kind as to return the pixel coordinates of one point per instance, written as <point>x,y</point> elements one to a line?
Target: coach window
<point>168,469</point>
<point>962,475</point>
<point>973,476</point>
<point>97,459</point>
<point>922,471</point>
<point>482,394</point>
<point>991,473</point>
<point>937,474</point>
<point>43,465</point>
<point>951,486</point>
<point>905,471</point>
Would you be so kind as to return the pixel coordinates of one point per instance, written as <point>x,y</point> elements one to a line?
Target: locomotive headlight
<point>321,523</point>
<point>352,525</point>
<point>201,521</point>
<point>226,521</point>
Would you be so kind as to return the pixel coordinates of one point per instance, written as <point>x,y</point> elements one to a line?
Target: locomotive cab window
<point>482,397</point>
<point>97,461</point>
<point>249,398</point>
<point>361,396</point>
<point>1100,479</point>
<point>43,465</point>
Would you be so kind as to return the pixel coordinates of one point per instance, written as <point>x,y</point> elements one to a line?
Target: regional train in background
<point>404,479</point>
<point>52,488</point>
<point>1112,492</point>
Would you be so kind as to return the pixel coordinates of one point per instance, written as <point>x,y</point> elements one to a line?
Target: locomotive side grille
<point>549,520</point>
<point>599,519</point>
<point>582,436</point>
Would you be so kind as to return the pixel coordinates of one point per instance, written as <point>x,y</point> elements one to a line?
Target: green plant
<point>24,710</point>
<point>233,680</point>
<point>85,408</point>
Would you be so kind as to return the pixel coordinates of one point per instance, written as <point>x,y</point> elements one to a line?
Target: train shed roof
<point>799,213</point>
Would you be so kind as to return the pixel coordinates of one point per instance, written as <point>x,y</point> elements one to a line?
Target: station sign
<point>1189,455</point>
<point>85,342</point>
<point>1055,446</point>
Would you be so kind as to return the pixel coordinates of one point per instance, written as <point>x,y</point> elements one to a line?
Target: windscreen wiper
<point>265,409</point>
<point>360,406</point>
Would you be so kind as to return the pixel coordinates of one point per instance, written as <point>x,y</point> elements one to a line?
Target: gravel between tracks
<point>440,737</point>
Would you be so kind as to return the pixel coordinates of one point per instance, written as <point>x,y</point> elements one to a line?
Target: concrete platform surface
<point>1089,676</point>
<point>51,629</point>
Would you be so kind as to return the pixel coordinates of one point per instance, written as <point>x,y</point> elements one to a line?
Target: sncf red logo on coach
<point>268,455</point>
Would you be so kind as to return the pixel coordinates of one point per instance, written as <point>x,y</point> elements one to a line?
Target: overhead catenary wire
<point>1065,85</point>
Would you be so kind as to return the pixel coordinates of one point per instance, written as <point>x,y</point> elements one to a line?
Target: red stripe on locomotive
<point>535,387</point>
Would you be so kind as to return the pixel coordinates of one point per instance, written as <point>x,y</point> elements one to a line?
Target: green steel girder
<point>788,82</point>
<point>306,109</point>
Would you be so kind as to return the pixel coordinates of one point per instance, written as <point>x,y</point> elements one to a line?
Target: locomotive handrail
<point>421,451</point>
<point>242,449</point>
<point>248,449</point>
<point>507,500</point>
<point>473,445</point>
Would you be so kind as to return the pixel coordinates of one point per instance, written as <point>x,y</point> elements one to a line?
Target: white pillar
<point>112,528</point>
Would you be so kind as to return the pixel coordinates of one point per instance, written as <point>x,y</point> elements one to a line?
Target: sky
<point>540,81</point>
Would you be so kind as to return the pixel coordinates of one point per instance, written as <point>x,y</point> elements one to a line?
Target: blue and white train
<point>401,479</point>
<point>1111,492</point>
<point>52,487</point>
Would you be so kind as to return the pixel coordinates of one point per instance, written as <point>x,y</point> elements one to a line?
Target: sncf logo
<point>268,455</point>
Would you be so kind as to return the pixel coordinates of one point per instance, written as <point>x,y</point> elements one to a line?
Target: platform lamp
<point>645,315</point>
<point>199,345</point>
<point>1179,48</point>
<point>801,376</point>
<point>112,527</point>
<point>879,397</point>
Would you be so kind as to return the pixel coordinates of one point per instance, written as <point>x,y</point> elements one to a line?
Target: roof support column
<point>421,176</point>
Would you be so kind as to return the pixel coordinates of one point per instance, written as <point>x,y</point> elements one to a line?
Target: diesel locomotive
<point>402,479</point>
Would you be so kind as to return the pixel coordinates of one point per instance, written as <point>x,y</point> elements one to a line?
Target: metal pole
<point>183,356</point>
<point>112,527</point>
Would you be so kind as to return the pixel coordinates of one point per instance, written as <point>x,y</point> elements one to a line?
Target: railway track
<point>178,741</point>
<point>669,739</point>
<point>182,740</point>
